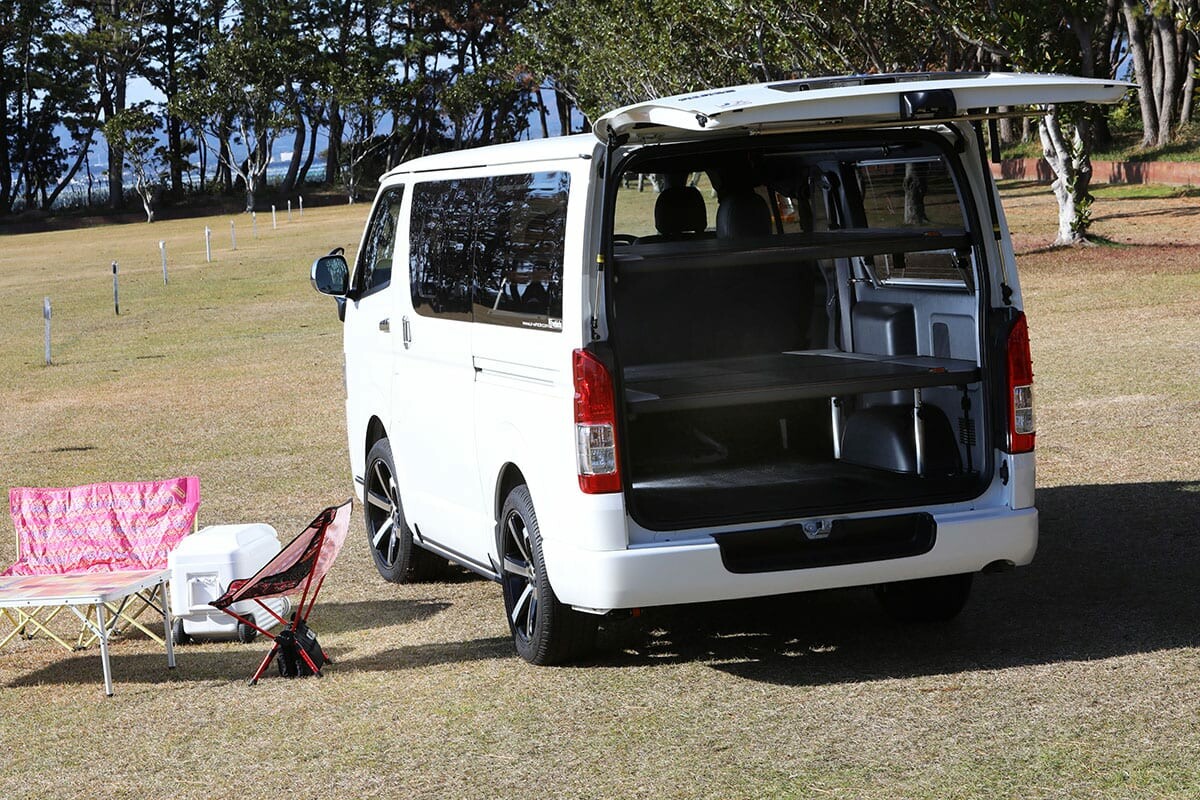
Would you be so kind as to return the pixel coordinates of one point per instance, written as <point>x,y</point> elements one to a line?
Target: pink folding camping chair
<point>101,548</point>
<point>301,566</point>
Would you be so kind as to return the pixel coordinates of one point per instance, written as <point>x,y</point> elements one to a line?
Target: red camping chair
<point>303,563</point>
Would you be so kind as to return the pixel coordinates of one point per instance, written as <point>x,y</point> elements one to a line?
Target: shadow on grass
<point>1188,211</point>
<point>205,661</point>
<point>368,614</point>
<point>1117,573</point>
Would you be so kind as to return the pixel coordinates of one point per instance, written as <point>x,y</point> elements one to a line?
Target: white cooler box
<point>203,566</point>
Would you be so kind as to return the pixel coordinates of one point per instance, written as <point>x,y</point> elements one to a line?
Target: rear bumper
<point>667,574</point>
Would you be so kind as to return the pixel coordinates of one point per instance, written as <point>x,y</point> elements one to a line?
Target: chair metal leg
<point>167,637</point>
<point>258,673</point>
<point>103,631</point>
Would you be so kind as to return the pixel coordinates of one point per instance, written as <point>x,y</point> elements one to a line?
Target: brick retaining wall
<point>1174,173</point>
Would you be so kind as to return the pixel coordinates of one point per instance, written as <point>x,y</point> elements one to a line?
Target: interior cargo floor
<point>781,488</point>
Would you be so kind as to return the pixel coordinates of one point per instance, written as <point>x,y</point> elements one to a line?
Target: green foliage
<point>386,80</point>
<point>134,131</point>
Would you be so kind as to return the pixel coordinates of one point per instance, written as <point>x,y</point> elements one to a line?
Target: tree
<point>241,84</point>
<point>1164,42</point>
<point>1051,37</point>
<point>41,93</point>
<point>172,48</point>
<point>112,35</point>
<point>135,129</point>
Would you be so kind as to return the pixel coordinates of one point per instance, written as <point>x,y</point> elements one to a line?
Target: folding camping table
<point>86,590</point>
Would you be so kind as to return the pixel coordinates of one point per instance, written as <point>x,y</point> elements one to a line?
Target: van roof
<point>855,100</point>
<point>579,145</point>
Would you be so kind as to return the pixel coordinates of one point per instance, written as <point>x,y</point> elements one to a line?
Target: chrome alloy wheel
<point>384,516</point>
<point>520,577</point>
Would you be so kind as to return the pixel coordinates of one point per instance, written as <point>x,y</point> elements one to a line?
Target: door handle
<point>406,331</point>
<point>385,325</point>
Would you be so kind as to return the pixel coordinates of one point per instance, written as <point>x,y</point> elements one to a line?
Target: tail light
<point>1020,388</point>
<point>595,426</point>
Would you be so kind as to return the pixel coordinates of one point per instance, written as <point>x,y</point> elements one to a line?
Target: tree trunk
<point>541,106</point>
<point>1072,167</point>
<point>302,178</point>
<point>5,164</point>
<point>116,152</point>
<point>915,185</point>
<point>202,158</point>
<point>289,179</point>
<point>174,125</point>
<point>1189,83</point>
<point>563,106</point>
<point>116,176</point>
<point>334,153</point>
<point>1164,29</point>
<point>224,172</point>
<point>1141,70</point>
<point>146,192</point>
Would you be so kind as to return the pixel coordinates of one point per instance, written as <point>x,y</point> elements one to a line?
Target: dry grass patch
<point>1077,677</point>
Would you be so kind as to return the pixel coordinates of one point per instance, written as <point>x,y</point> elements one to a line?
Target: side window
<point>490,249</point>
<point>375,261</point>
<point>442,232</point>
<point>519,257</point>
<point>914,193</point>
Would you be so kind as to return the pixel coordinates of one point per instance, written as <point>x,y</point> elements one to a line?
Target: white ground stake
<point>254,223</point>
<point>232,235</point>
<point>289,210</point>
<point>208,244</point>
<point>162,251</point>
<point>46,316</point>
<point>274,224</point>
<point>301,206</point>
<point>116,291</point>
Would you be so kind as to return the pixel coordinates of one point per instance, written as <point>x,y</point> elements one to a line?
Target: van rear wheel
<point>937,599</point>
<point>397,558</point>
<point>544,630</point>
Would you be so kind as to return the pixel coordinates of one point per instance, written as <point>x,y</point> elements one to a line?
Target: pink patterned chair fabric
<point>103,527</point>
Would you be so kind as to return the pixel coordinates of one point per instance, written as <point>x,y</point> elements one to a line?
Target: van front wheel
<point>544,630</point>
<point>390,538</point>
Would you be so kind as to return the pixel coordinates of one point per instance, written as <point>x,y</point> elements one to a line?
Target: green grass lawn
<point>1078,677</point>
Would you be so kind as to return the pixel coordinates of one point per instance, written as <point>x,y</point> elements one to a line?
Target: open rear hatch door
<point>861,100</point>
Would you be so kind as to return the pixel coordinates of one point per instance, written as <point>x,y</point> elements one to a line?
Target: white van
<point>743,342</point>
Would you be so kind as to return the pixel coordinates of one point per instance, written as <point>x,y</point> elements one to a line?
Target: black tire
<point>246,634</point>
<point>397,558</point>
<point>937,599</point>
<point>544,630</point>
<point>178,634</point>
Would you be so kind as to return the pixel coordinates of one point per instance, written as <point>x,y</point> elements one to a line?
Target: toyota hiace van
<point>743,342</point>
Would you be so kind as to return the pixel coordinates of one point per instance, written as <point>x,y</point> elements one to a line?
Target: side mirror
<point>331,275</point>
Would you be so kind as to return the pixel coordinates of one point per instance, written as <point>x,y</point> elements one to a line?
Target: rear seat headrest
<point>743,214</point>
<point>680,209</point>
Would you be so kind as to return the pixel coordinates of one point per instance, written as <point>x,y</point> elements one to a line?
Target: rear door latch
<point>817,528</point>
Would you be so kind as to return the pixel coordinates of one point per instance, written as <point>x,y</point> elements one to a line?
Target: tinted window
<point>519,259</point>
<point>441,230</point>
<point>496,241</point>
<point>375,260</point>
<point>913,193</point>
<point>917,192</point>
